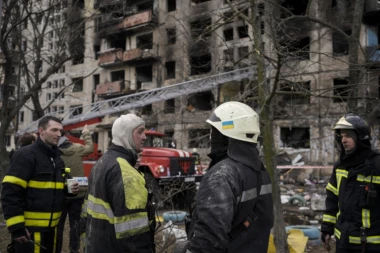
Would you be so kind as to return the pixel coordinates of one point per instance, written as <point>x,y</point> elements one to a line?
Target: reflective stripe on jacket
<point>33,189</point>
<point>349,206</point>
<point>117,218</point>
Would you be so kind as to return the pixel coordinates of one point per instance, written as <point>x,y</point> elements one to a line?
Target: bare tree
<point>37,39</point>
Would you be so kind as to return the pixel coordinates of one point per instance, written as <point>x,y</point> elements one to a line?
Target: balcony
<point>128,24</point>
<point>371,14</point>
<point>111,58</point>
<point>133,55</point>
<point>111,88</point>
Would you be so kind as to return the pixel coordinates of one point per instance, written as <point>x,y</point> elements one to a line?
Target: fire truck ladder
<point>140,99</point>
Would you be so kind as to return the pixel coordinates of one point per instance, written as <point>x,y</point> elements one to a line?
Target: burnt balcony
<point>133,55</point>
<point>128,24</point>
<point>111,58</point>
<point>111,89</point>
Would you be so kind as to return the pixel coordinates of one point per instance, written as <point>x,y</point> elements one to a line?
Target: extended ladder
<point>140,99</point>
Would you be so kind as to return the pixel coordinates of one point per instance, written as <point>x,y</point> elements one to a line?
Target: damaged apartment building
<point>130,46</point>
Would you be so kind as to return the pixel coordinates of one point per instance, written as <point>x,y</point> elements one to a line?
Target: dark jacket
<point>72,154</point>
<point>353,200</point>
<point>227,195</point>
<point>33,189</point>
<point>116,205</point>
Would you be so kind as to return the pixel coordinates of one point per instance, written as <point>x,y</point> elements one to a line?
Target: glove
<point>323,236</point>
<point>19,233</point>
<point>85,130</point>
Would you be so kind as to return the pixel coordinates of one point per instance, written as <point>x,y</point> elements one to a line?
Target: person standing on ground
<point>72,154</point>
<point>117,211</point>
<point>33,191</point>
<point>353,198</point>
<point>234,206</point>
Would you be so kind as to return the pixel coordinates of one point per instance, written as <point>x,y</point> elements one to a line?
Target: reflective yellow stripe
<point>366,219</point>
<point>15,180</point>
<point>375,239</point>
<point>126,225</point>
<point>374,179</point>
<point>41,223</point>
<point>331,188</point>
<point>135,192</point>
<point>329,218</point>
<point>354,239</point>
<point>83,214</point>
<point>45,185</point>
<point>37,240</point>
<point>15,220</point>
<point>337,233</point>
<point>42,215</point>
<point>342,172</point>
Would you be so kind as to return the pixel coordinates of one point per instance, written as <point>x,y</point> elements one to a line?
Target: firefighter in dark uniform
<point>33,191</point>
<point>234,207</point>
<point>118,211</point>
<point>353,202</point>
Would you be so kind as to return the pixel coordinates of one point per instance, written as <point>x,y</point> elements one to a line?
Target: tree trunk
<point>353,58</point>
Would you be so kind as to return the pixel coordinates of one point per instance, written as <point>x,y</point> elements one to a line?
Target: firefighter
<point>234,207</point>
<point>353,202</point>
<point>119,215</point>
<point>33,191</point>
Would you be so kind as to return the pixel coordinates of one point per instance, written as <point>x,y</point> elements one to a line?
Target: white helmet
<point>237,121</point>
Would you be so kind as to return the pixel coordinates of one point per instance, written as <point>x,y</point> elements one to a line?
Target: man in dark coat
<point>234,207</point>
<point>353,192</point>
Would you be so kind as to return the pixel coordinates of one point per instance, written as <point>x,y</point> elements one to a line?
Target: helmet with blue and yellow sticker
<point>237,121</point>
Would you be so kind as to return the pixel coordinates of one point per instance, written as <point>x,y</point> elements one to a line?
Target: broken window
<point>243,31</point>
<point>227,17</point>
<point>169,106</point>
<point>96,50</point>
<point>299,49</point>
<point>201,101</point>
<point>145,41</point>
<point>243,52</point>
<point>117,75</point>
<point>147,110</point>
<point>200,64</point>
<point>75,110</point>
<point>340,43</point>
<point>172,5</point>
<point>341,90</point>
<point>200,27</point>
<point>229,55</point>
<point>78,84</point>
<point>143,75</point>
<point>147,5</point>
<point>295,137</point>
<point>117,43</point>
<point>228,34</point>
<point>295,93</point>
<point>199,138</point>
<point>171,35</point>
<point>296,7</point>
<point>170,70</point>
